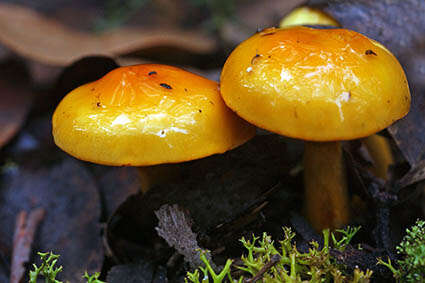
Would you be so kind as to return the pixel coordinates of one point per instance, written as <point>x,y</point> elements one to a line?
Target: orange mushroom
<point>147,115</point>
<point>378,146</point>
<point>321,86</point>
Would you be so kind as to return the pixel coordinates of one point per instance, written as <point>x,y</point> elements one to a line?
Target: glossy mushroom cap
<point>145,115</point>
<point>313,84</point>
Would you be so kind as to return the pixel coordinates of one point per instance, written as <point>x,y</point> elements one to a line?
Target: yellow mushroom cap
<point>314,84</point>
<point>145,115</point>
<point>307,16</point>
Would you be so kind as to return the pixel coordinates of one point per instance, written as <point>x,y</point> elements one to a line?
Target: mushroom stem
<point>157,174</point>
<point>326,196</point>
<point>380,151</point>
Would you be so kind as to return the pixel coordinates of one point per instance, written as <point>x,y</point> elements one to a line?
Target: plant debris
<point>37,37</point>
<point>175,228</point>
<point>23,238</point>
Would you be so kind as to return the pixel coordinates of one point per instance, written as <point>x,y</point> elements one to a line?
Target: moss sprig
<point>411,268</point>
<point>47,268</point>
<point>49,271</point>
<point>264,261</point>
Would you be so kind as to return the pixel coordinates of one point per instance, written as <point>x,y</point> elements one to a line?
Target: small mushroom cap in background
<point>315,84</point>
<point>146,115</point>
<point>307,16</point>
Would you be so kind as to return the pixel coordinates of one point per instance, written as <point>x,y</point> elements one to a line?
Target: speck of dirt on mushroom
<point>370,52</point>
<point>164,85</point>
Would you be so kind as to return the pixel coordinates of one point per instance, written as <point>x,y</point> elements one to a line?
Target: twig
<point>273,260</point>
<point>25,228</point>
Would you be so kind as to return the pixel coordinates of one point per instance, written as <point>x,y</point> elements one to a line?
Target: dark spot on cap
<point>388,101</point>
<point>92,89</point>
<point>185,89</point>
<point>98,104</point>
<point>254,59</point>
<point>200,111</point>
<point>165,86</point>
<point>152,73</point>
<point>370,52</point>
<point>211,102</point>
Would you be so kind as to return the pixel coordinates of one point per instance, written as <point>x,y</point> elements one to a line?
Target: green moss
<point>48,271</point>
<point>411,268</point>
<point>265,261</point>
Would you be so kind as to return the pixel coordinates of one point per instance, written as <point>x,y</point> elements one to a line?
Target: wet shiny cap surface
<point>145,115</point>
<point>315,84</point>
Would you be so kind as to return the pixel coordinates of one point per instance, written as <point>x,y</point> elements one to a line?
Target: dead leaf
<point>26,226</point>
<point>32,35</point>
<point>415,174</point>
<point>131,273</point>
<point>68,194</point>
<point>116,184</point>
<point>15,96</point>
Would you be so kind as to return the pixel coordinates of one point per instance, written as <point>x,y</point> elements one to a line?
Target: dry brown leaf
<point>37,37</point>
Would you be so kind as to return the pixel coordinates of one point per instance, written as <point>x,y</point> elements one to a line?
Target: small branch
<point>273,260</point>
<point>25,228</point>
